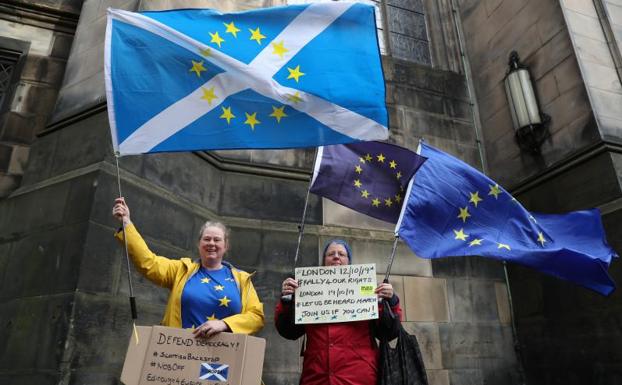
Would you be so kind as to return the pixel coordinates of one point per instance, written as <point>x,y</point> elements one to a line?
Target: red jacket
<point>336,354</point>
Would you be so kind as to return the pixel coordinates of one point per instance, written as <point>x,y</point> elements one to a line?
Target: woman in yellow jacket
<point>209,294</point>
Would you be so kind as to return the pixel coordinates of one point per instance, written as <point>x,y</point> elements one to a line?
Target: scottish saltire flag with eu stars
<point>369,177</point>
<point>453,209</point>
<point>213,372</point>
<point>285,77</point>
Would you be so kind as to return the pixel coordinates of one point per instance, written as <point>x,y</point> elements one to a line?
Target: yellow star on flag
<point>475,199</point>
<point>206,52</point>
<point>392,164</point>
<point>278,113</point>
<point>464,213</point>
<point>224,301</point>
<point>398,198</point>
<point>541,238</point>
<point>197,67</point>
<point>232,29</point>
<point>294,98</point>
<point>251,120</point>
<point>475,242</point>
<point>365,193</point>
<point>279,49</point>
<point>503,246</point>
<point>375,202</point>
<point>362,160</point>
<point>219,288</point>
<point>380,158</point>
<point>227,114</point>
<point>461,235</point>
<point>216,39</point>
<point>212,317</point>
<point>398,175</point>
<point>208,95</point>
<point>358,183</point>
<point>368,157</point>
<point>494,191</point>
<point>388,202</point>
<point>205,280</point>
<point>294,73</point>
<point>358,169</point>
<point>256,35</point>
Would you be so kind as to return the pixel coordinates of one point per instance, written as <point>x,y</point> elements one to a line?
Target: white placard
<point>336,294</point>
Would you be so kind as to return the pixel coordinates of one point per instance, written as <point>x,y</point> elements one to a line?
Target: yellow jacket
<point>173,274</point>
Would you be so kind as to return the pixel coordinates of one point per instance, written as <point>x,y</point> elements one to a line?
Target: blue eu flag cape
<point>295,76</point>
<point>454,210</point>
<point>369,177</point>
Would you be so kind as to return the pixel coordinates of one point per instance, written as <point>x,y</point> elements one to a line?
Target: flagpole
<point>391,259</point>
<point>399,221</point>
<point>127,255</point>
<point>301,226</point>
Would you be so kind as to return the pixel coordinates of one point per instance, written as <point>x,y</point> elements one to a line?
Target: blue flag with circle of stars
<point>369,177</point>
<point>195,79</point>
<point>453,209</point>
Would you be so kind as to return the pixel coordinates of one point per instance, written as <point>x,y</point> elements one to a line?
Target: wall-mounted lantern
<point>529,123</point>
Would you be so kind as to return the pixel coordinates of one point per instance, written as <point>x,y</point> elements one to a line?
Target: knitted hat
<point>339,242</point>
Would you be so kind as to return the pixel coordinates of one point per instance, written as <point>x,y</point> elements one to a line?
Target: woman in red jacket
<point>336,353</point>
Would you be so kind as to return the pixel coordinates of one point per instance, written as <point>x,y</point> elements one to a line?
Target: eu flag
<point>369,177</point>
<point>295,76</point>
<point>454,210</point>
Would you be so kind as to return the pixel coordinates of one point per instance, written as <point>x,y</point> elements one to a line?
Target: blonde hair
<point>217,224</point>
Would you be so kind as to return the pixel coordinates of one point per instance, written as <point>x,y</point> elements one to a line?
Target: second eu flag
<point>296,76</point>
<point>454,210</point>
<point>369,177</point>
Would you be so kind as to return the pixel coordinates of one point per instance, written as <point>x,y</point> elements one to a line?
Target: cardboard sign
<point>172,356</point>
<point>336,294</point>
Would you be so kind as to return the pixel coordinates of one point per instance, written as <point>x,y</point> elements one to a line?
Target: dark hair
<point>338,242</point>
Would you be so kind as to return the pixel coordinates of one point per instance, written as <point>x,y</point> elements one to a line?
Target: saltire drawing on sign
<point>214,372</point>
<point>285,77</point>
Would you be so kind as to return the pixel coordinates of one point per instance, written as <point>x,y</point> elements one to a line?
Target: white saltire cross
<point>213,373</point>
<point>239,76</point>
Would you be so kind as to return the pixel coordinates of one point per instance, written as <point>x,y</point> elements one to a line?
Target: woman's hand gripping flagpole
<point>125,216</point>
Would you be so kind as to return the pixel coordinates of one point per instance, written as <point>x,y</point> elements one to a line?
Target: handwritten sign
<point>172,356</point>
<point>336,294</point>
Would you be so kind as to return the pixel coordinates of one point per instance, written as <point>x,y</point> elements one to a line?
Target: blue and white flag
<point>214,372</point>
<point>194,79</point>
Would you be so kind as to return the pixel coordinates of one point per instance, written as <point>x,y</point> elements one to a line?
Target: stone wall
<point>597,54</point>
<point>40,35</point>
<point>566,334</point>
<point>536,30</point>
<point>578,327</point>
<point>64,303</point>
